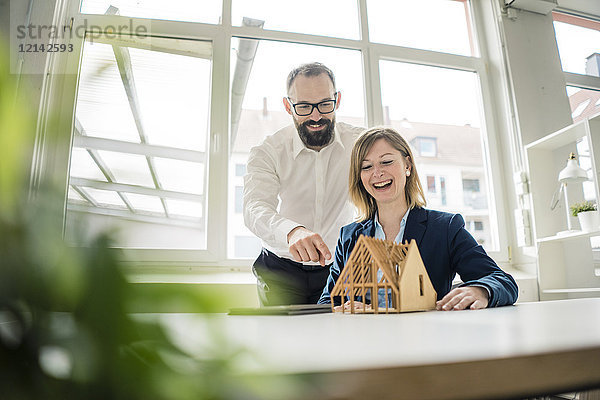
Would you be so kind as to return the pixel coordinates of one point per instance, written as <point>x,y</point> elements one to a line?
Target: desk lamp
<point>572,173</point>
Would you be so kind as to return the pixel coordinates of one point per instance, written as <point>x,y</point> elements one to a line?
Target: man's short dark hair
<point>310,69</point>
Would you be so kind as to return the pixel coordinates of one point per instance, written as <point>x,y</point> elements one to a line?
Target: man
<point>296,190</point>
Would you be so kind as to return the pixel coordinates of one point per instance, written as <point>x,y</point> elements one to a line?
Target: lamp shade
<point>572,173</point>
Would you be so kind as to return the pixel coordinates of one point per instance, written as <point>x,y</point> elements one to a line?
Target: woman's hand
<point>473,297</point>
<point>357,306</point>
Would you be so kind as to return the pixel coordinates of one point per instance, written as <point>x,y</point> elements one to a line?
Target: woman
<point>385,187</point>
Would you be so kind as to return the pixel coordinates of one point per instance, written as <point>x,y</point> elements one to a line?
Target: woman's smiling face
<point>383,173</point>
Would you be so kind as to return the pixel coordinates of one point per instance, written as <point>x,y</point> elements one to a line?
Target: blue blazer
<point>446,248</point>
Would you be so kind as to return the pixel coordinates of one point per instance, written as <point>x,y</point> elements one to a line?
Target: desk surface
<point>523,350</point>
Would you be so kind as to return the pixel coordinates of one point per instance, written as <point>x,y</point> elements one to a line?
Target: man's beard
<point>319,138</point>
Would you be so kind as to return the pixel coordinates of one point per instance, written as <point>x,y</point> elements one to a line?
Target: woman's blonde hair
<point>367,207</point>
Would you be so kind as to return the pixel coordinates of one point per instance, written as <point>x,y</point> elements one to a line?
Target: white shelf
<point>566,266</point>
<point>567,135</point>
<point>568,236</point>
<point>571,290</point>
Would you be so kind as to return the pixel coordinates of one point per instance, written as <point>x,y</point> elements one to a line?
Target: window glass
<point>257,108</point>
<point>584,102</point>
<point>179,175</point>
<point>239,199</point>
<point>106,198</point>
<point>246,247</point>
<point>439,25</point>
<point>442,104</point>
<point>431,184</point>
<point>142,202</point>
<point>127,168</point>
<point>184,208</point>
<point>471,185</point>
<point>208,11</point>
<point>443,197</point>
<point>75,196</point>
<point>139,158</point>
<point>425,147</point>
<point>240,169</point>
<point>578,41</point>
<point>101,89</point>
<point>477,228</point>
<point>584,159</point>
<point>336,18</point>
<point>83,165</point>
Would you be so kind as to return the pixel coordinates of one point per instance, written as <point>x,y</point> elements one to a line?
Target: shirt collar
<point>379,234</point>
<point>298,145</point>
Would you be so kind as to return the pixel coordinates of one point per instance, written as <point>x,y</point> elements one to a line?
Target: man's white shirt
<point>289,185</point>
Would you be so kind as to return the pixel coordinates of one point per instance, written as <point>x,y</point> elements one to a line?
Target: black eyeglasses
<point>304,109</point>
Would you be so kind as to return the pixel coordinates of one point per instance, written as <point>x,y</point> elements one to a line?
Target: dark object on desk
<point>293,309</point>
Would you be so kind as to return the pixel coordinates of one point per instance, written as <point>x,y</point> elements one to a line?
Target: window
<point>584,159</point>
<point>163,128</point>
<point>263,95</point>
<point>442,108</point>
<point>478,225</point>
<point>424,146</point>
<point>246,247</point>
<point>578,44</point>
<point>139,156</point>
<point>430,184</point>
<point>443,191</point>
<point>474,197</point>
<point>578,41</point>
<point>425,24</point>
<point>584,102</point>
<point>239,199</point>
<point>240,169</point>
<point>470,185</point>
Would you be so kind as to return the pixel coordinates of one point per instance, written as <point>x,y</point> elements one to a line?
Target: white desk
<point>518,351</point>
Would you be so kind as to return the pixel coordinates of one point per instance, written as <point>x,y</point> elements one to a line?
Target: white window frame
<point>59,96</point>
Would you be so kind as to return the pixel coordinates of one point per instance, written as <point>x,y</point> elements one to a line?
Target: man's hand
<point>307,246</point>
<point>473,297</point>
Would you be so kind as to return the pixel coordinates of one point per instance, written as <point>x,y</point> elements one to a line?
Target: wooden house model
<point>403,279</point>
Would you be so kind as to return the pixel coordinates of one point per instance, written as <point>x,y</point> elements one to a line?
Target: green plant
<point>66,324</point>
<point>582,207</point>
